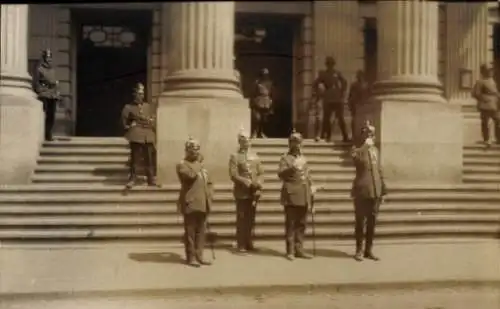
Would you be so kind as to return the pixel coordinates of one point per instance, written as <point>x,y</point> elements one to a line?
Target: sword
<point>312,212</point>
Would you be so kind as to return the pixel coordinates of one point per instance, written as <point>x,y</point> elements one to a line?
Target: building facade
<point>185,52</point>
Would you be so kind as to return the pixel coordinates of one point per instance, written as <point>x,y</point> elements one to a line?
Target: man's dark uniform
<point>486,93</point>
<point>261,103</point>
<point>367,190</point>
<point>359,93</point>
<point>296,196</point>
<point>246,173</point>
<point>195,201</point>
<point>333,98</point>
<point>138,119</point>
<point>46,87</point>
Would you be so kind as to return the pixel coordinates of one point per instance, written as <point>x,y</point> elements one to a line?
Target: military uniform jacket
<point>486,93</point>
<point>359,93</point>
<point>335,84</point>
<point>296,189</point>
<point>143,115</point>
<point>244,169</point>
<point>46,82</point>
<point>369,181</point>
<point>196,192</point>
<point>262,97</point>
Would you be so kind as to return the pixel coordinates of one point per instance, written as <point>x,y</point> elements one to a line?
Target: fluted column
<point>14,77</point>
<point>408,55</point>
<point>21,115</point>
<point>201,49</point>
<point>468,45</point>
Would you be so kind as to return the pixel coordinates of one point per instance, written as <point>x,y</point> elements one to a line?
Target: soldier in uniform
<point>138,119</point>
<point>46,87</point>
<point>195,201</point>
<point>261,103</point>
<point>368,190</point>
<point>296,196</point>
<point>486,93</point>
<point>359,93</point>
<point>333,98</point>
<point>316,110</point>
<point>246,173</point>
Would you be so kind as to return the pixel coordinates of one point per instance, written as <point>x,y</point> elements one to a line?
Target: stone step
<point>163,209</point>
<point>482,177</point>
<point>485,161</point>
<point>262,220</point>
<point>492,169</point>
<point>228,198</point>
<point>262,232</point>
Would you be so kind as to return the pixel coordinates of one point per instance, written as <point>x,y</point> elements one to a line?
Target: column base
<point>409,89</point>
<point>214,122</point>
<point>21,137</point>
<point>419,142</point>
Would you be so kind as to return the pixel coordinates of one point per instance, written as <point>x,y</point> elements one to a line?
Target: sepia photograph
<point>334,154</point>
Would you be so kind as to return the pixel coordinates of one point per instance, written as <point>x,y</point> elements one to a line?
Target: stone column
<point>201,98</point>
<point>420,134</point>
<point>468,45</point>
<point>21,115</point>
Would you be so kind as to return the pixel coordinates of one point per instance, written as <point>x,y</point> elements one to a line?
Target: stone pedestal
<point>202,98</point>
<point>21,114</point>
<point>420,134</point>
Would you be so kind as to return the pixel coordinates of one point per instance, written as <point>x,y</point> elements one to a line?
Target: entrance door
<point>111,60</point>
<point>496,51</point>
<point>274,52</point>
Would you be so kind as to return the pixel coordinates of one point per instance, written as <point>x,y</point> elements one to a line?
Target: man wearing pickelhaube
<point>246,173</point>
<point>296,196</point>
<point>368,190</point>
<point>139,121</point>
<point>194,203</point>
<point>334,97</point>
<point>261,103</point>
<point>47,89</point>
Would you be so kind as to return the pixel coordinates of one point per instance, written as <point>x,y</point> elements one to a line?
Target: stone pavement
<point>159,270</point>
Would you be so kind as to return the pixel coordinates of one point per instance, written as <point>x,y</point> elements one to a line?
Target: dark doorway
<point>111,59</point>
<point>496,51</point>
<point>273,51</point>
<point>370,49</point>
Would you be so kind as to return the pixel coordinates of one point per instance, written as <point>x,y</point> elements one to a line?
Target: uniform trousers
<point>142,153</point>
<point>245,223</point>
<point>295,228</point>
<point>49,108</point>
<point>365,210</point>
<point>329,109</point>
<point>194,234</point>
<point>486,115</point>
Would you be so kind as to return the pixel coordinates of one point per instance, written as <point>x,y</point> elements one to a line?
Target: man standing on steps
<point>194,203</point>
<point>46,87</point>
<point>368,191</point>
<point>486,93</point>
<point>138,119</point>
<point>359,94</point>
<point>333,98</point>
<point>296,196</point>
<point>246,174</point>
<point>261,103</point>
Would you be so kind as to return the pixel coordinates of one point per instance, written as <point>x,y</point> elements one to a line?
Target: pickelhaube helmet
<point>295,136</point>
<point>243,135</point>
<point>191,144</point>
<point>139,88</point>
<point>46,52</point>
<point>368,128</point>
<point>264,71</point>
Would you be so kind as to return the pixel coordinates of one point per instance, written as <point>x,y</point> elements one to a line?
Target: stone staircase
<point>76,195</point>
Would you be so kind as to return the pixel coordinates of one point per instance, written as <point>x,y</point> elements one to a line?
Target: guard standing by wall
<point>333,98</point>
<point>139,121</point>
<point>296,196</point>
<point>368,190</point>
<point>485,91</point>
<point>316,111</point>
<point>194,203</point>
<point>261,103</point>
<point>246,173</point>
<point>47,89</point>
<point>359,93</point>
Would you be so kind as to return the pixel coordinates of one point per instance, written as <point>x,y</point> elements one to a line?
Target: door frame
<point>74,45</point>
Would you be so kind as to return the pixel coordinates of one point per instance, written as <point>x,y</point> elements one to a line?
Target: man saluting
<point>368,190</point>
<point>246,172</point>
<point>296,196</point>
<point>195,200</point>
